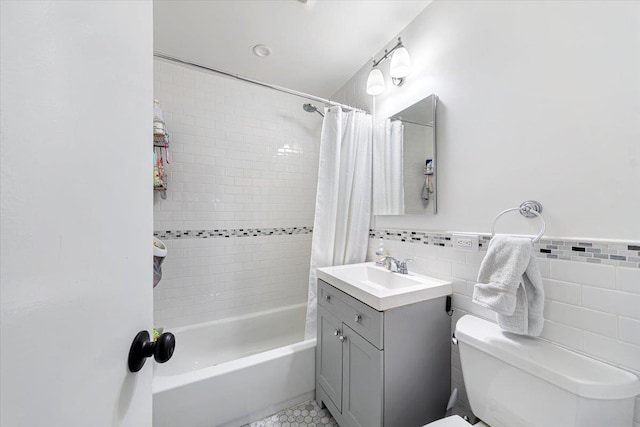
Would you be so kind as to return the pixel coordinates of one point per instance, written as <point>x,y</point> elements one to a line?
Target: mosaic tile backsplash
<point>233,232</point>
<point>596,252</point>
<point>626,254</point>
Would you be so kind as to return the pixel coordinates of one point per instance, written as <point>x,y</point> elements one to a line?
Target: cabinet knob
<point>327,297</point>
<point>358,318</point>
<point>336,332</point>
<point>342,338</point>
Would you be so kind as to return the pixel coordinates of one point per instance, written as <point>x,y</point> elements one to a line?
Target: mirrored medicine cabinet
<point>405,162</point>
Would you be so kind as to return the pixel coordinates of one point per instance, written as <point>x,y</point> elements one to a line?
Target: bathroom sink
<point>377,276</point>
<point>382,289</point>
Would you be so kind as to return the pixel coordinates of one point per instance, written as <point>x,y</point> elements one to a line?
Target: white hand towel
<point>509,282</point>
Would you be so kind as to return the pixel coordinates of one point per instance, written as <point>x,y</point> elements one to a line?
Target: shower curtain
<point>343,200</point>
<point>388,172</point>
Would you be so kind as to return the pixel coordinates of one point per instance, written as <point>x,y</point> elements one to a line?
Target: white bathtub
<point>230,372</point>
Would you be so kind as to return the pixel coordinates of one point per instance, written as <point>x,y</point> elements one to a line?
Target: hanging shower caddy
<point>160,150</point>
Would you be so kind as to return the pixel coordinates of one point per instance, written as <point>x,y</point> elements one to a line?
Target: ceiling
<point>317,45</point>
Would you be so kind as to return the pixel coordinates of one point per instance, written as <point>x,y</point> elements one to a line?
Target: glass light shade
<point>400,63</point>
<point>375,82</point>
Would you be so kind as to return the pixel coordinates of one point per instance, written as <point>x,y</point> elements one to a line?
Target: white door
<point>76,212</point>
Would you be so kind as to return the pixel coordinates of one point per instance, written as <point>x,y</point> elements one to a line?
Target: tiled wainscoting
<point>590,307</point>
<point>214,278</point>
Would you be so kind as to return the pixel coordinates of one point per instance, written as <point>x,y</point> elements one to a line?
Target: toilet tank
<point>517,381</point>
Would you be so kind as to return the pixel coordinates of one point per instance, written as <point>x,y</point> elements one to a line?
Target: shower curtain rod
<point>258,83</point>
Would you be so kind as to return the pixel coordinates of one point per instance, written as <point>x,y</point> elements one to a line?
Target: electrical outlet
<point>465,242</point>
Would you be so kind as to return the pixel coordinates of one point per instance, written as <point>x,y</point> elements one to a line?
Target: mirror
<point>404,161</point>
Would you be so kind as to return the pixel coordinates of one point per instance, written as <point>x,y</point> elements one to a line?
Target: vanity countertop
<point>382,289</point>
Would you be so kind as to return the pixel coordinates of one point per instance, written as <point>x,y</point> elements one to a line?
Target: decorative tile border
<point>595,252</point>
<point>436,239</point>
<point>231,232</point>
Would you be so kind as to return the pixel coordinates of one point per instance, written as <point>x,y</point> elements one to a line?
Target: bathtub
<point>230,372</point>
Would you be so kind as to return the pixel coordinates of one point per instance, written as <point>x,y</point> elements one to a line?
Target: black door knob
<point>142,347</point>
<point>165,344</point>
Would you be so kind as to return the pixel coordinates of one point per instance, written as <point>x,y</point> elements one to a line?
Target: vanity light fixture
<point>375,82</point>
<point>399,69</point>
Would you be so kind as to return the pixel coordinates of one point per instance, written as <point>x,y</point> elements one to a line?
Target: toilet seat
<point>454,421</point>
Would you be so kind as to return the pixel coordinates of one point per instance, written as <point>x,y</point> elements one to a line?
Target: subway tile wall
<point>241,155</point>
<point>210,279</point>
<point>244,164</point>
<point>590,308</point>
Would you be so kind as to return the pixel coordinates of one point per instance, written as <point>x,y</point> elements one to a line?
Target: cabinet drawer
<point>334,300</point>
<point>363,319</point>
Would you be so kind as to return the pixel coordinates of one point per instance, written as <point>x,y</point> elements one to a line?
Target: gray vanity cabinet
<point>349,370</point>
<point>362,381</point>
<point>376,369</point>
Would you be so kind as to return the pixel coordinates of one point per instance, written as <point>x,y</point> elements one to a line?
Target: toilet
<point>518,381</point>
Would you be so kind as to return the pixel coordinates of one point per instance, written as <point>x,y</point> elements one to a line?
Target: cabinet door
<point>362,382</point>
<point>329,356</point>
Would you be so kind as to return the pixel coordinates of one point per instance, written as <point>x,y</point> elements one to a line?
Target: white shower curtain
<point>388,178</point>
<point>343,200</point>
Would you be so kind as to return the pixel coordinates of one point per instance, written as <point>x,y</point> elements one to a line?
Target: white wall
<point>76,216</point>
<point>538,100</point>
<point>242,157</point>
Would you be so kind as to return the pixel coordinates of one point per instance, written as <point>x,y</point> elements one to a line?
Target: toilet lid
<point>454,421</point>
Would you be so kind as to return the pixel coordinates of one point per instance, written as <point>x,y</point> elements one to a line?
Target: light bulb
<point>400,63</point>
<point>375,82</point>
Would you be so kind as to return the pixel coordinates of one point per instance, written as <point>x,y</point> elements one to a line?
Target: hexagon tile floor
<point>307,414</point>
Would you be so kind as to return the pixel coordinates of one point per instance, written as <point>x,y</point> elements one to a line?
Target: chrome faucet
<point>390,262</point>
<point>394,265</point>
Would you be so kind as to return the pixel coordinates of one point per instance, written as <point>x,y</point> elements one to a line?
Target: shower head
<point>310,108</point>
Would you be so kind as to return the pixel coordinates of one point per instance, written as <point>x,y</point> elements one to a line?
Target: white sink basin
<point>382,289</point>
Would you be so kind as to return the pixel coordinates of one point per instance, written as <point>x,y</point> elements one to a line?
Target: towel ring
<point>529,209</point>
